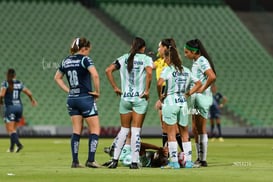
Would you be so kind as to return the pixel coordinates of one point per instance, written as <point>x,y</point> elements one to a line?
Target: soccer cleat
<point>221,139</point>
<point>113,164</point>
<point>76,165</point>
<point>106,150</point>
<point>176,165</point>
<point>19,148</point>
<point>197,161</point>
<point>134,165</point>
<point>189,164</point>
<point>109,151</point>
<point>107,163</point>
<point>10,150</point>
<point>93,164</point>
<point>171,165</point>
<point>203,164</point>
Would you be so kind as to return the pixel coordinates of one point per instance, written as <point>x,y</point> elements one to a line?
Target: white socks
<point>203,144</point>
<point>135,143</point>
<point>187,150</point>
<point>120,141</point>
<point>173,151</point>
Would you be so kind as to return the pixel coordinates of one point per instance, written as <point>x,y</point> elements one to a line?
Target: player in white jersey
<point>203,69</point>
<point>174,104</point>
<point>159,65</point>
<point>136,74</point>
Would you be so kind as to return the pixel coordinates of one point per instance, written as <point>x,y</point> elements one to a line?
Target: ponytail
<point>10,76</point>
<point>138,43</point>
<point>174,58</point>
<point>130,62</point>
<point>78,44</point>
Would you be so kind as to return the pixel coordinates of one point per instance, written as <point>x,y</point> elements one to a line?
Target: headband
<point>191,48</point>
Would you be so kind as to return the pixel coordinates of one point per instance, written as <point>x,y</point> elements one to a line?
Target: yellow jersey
<point>160,65</point>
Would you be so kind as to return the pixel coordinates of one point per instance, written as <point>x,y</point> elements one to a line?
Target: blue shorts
<point>214,114</point>
<point>84,106</point>
<point>13,113</point>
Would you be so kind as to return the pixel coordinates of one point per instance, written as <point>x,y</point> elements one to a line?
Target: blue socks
<point>92,147</point>
<point>75,141</point>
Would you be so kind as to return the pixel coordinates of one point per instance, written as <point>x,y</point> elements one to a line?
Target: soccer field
<point>49,160</point>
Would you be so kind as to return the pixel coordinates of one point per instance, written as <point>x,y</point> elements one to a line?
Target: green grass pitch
<point>49,160</point>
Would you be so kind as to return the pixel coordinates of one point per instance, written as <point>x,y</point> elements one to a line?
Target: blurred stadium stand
<point>36,35</point>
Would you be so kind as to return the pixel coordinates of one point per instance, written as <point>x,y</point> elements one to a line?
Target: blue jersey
<point>215,107</point>
<point>75,67</point>
<point>13,98</point>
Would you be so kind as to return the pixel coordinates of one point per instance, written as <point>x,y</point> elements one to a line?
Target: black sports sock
<point>219,130</point>
<point>164,138</point>
<point>179,141</point>
<point>211,130</point>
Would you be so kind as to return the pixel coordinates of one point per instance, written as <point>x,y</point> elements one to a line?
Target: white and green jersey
<point>177,84</point>
<point>199,67</point>
<point>133,84</point>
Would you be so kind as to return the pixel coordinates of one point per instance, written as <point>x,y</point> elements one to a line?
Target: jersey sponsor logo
<point>71,63</point>
<point>179,100</point>
<point>131,94</point>
<point>177,73</point>
<point>75,91</point>
<point>17,86</point>
<point>135,62</point>
<point>138,63</point>
<point>16,102</point>
<point>180,80</point>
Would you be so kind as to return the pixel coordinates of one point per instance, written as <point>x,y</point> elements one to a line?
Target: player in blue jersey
<point>81,101</point>
<point>219,100</point>
<point>203,69</point>
<point>174,104</point>
<point>136,74</point>
<point>10,91</point>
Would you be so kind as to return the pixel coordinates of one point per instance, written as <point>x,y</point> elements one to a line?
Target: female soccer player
<point>174,104</point>
<point>159,65</point>
<point>136,74</point>
<point>81,101</point>
<point>203,69</point>
<point>10,91</point>
<point>219,101</point>
<point>149,156</point>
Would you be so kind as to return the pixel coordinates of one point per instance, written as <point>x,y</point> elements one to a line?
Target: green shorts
<point>201,103</point>
<point>175,114</point>
<point>139,107</point>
